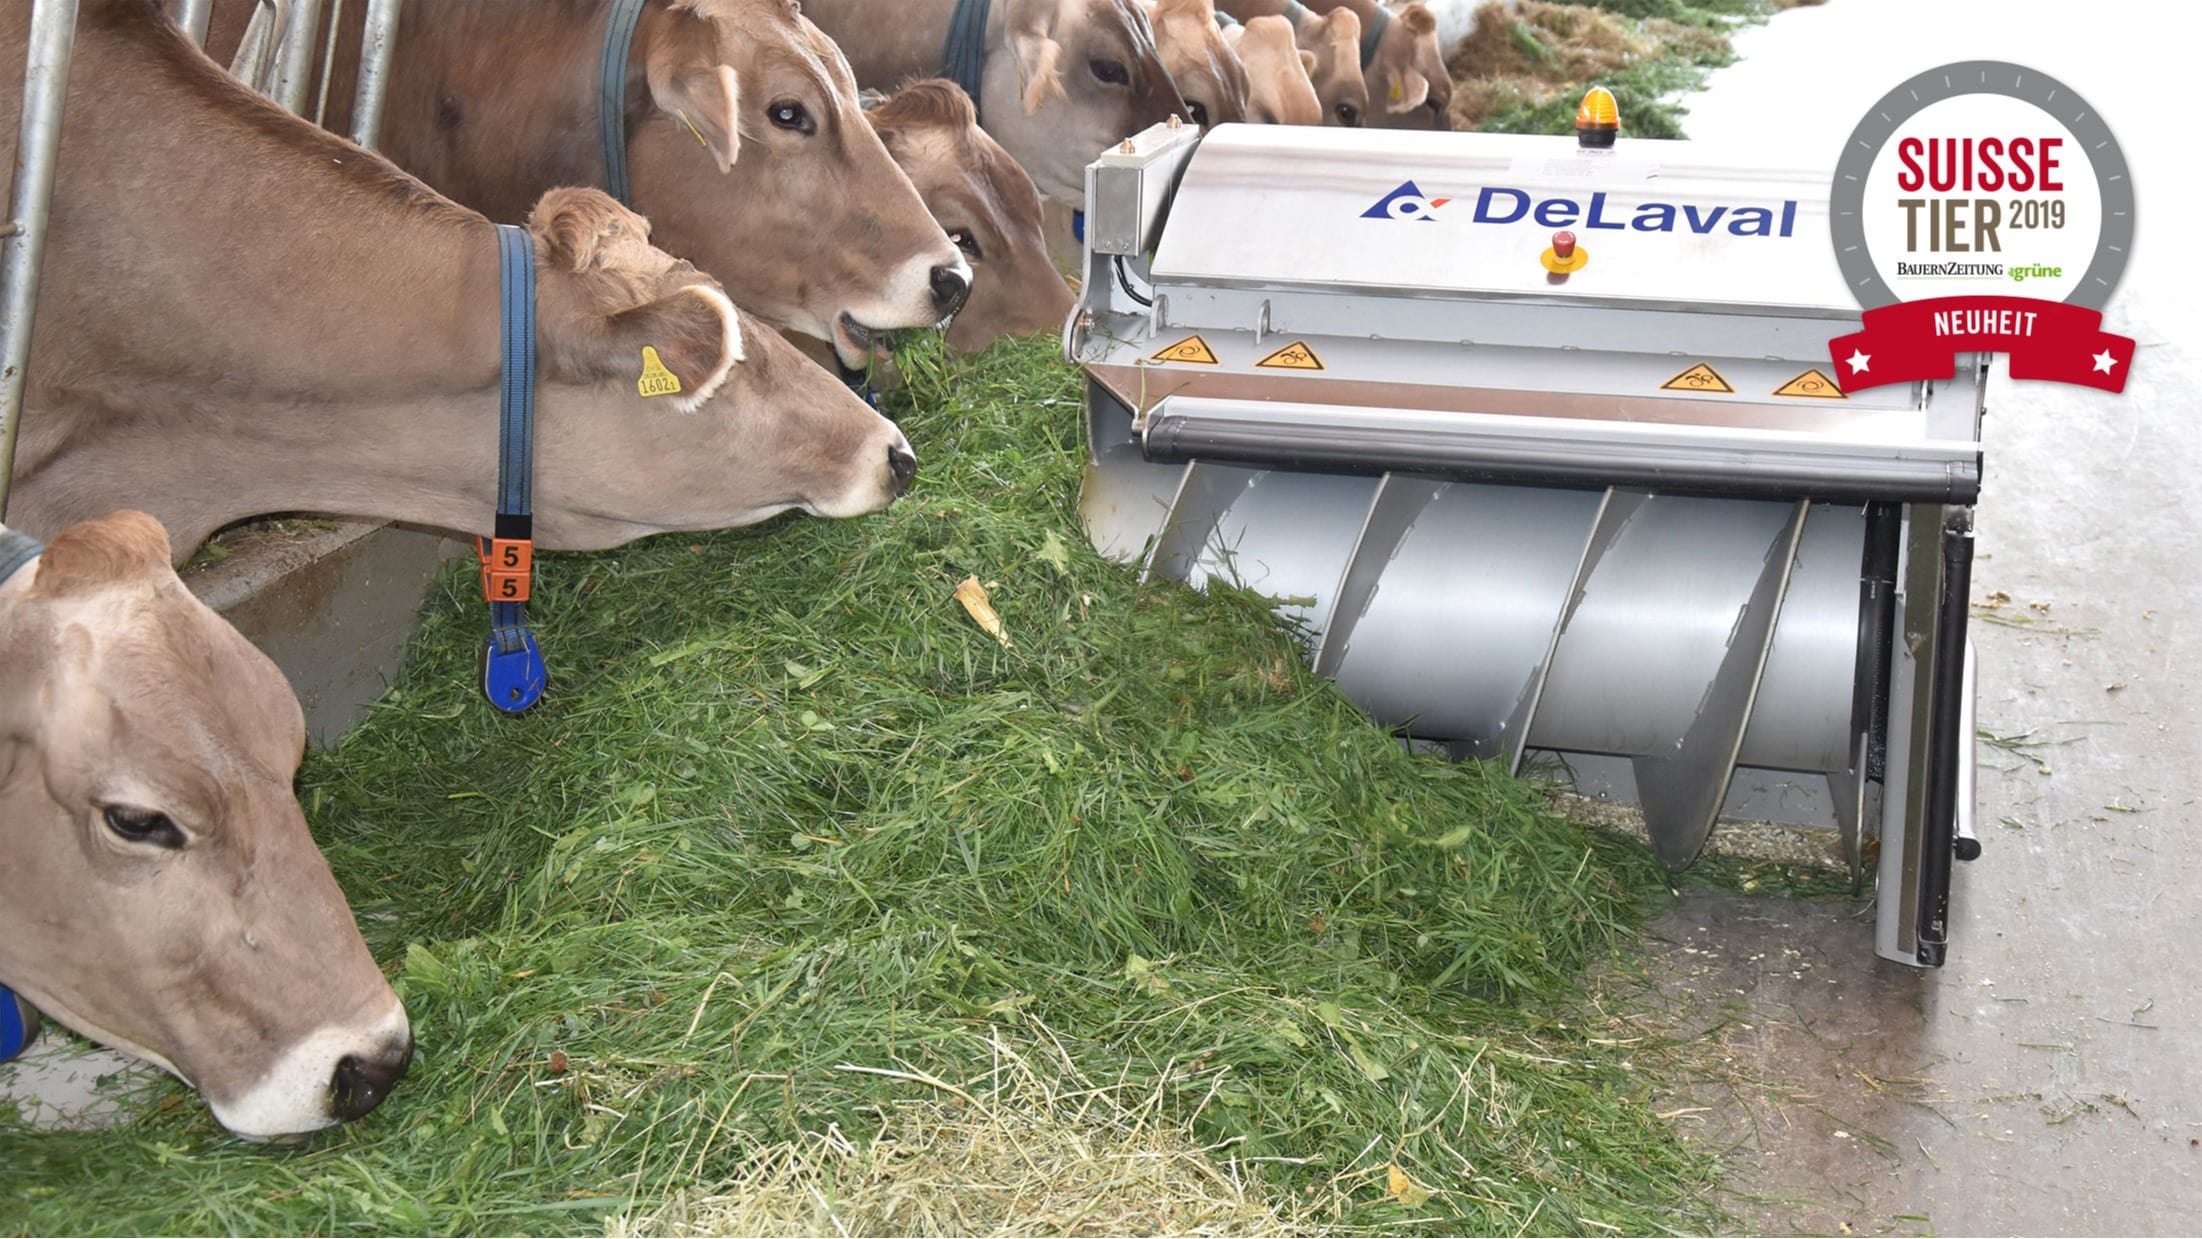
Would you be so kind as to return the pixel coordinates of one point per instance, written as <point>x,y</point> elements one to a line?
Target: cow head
<point>1208,74</point>
<point>1334,39</point>
<point>756,163</point>
<point>1277,73</point>
<point>753,429</point>
<point>1407,79</point>
<point>1074,78</point>
<point>160,892</point>
<point>987,204</point>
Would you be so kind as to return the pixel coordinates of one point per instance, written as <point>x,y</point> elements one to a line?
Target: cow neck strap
<point>963,60</point>
<point>1374,35</point>
<point>513,677</point>
<point>1294,11</point>
<point>611,99</point>
<point>16,550</point>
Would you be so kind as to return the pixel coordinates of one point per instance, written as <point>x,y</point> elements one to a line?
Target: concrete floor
<point>2049,1080</point>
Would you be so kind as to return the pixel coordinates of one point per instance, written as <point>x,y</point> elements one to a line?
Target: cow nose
<point>361,1083</point>
<point>902,464</point>
<point>950,286</point>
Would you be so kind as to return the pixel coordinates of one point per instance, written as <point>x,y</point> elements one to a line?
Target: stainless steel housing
<point>1611,519</point>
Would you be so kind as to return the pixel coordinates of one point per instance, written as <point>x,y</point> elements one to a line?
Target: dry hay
<point>1027,1151</point>
<point>1524,55</point>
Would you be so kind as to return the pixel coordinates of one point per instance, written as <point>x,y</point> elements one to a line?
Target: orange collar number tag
<point>508,568</point>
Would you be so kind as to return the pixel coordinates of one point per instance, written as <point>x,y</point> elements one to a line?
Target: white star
<point>1858,360</point>
<point>2104,361</point>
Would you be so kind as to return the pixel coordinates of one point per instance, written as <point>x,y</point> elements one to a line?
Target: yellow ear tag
<point>1399,91</point>
<point>656,380</point>
<point>700,139</point>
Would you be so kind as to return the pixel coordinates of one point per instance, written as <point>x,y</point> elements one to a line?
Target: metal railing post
<point>294,55</point>
<point>45,90</point>
<point>192,16</point>
<point>335,23</point>
<point>377,39</point>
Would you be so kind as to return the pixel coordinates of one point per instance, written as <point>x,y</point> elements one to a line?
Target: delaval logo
<point>1496,204</point>
<point>1406,202</point>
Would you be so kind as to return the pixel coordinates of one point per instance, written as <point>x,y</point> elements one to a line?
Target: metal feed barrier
<point>283,76</point>
<point>275,57</point>
<point>38,142</point>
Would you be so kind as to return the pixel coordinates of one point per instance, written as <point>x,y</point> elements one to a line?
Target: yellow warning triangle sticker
<point>1813,385</point>
<point>1192,351</point>
<point>1699,377</point>
<point>1294,356</point>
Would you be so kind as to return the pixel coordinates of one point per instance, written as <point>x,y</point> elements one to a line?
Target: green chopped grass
<point>793,843</point>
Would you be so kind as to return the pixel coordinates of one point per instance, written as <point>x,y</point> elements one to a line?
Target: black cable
<point>1124,278</point>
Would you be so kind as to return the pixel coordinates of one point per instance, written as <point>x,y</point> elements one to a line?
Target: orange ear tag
<point>656,380</point>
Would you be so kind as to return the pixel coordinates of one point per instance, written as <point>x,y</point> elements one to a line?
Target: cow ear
<point>681,347</point>
<point>1039,56</point>
<point>1039,67</point>
<point>700,96</point>
<point>695,335</point>
<point>1408,90</point>
<point>578,228</point>
<point>1343,28</point>
<point>116,548</point>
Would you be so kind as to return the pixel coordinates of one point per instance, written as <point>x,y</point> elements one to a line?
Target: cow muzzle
<point>332,1075</point>
<point>362,1081</point>
<point>901,467</point>
<point>951,288</point>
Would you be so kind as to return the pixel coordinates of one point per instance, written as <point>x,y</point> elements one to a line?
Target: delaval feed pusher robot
<point>1539,440</point>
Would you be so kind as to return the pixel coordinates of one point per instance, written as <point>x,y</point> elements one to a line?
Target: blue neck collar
<point>16,550</point>
<point>1374,35</point>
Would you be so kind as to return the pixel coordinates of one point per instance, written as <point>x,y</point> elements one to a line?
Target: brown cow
<point>1278,73</point>
<point>1063,79</point>
<point>1334,39</point>
<point>243,314</point>
<point>161,894</point>
<point>988,206</point>
<point>1201,61</point>
<point>746,148</point>
<point>1408,83</point>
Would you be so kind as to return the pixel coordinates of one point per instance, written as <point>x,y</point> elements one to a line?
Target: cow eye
<point>1199,111</point>
<point>143,826</point>
<point>1348,114</point>
<point>1111,71</point>
<point>967,242</point>
<point>790,115</point>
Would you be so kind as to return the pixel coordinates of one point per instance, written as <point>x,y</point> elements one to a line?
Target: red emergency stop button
<point>1565,256</point>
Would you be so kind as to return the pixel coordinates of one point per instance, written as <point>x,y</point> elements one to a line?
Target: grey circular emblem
<point>1981,77</point>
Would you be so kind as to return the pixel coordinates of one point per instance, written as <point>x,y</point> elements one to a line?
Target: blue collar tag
<point>18,1024</point>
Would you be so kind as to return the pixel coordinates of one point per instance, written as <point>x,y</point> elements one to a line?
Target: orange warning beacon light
<point>1597,118</point>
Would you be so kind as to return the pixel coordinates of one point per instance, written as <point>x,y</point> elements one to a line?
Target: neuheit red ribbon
<point>2048,340</point>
